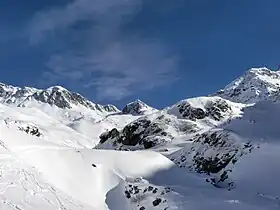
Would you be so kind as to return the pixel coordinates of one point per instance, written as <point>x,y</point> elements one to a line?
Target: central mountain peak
<point>138,107</point>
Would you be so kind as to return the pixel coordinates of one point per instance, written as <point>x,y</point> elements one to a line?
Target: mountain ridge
<point>54,95</point>
<point>254,85</point>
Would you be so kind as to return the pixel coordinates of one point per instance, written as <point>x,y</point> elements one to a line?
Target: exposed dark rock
<point>110,108</point>
<point>136,108</point>
<point>192,113</point>
<point>157,202</point>
<point>214,153</point>
<point>55,97</point>
<point>148,144</point>
<point>213,109</point>
<point>150,188</point>
<point>114,133</point>
<point>127,194</point>
<point>140,132</point>
<point>33,130</point>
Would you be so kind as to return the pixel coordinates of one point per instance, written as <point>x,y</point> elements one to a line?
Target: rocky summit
<point>255,85</point>
<point>137,108</point>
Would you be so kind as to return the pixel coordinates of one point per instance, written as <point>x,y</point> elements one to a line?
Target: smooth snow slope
<point>23,188</point>
<point>71,170</point>
<point>259,172</point>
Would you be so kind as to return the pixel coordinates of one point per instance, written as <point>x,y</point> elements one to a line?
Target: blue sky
<point>114,51</point>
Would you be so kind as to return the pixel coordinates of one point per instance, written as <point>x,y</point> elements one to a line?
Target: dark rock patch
<point>157,202</point>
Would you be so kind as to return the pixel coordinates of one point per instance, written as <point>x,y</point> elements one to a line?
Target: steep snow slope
<point>260,170</point>
<point>255,85</point>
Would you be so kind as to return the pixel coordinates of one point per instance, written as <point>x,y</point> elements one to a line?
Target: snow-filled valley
<point>61,151</point>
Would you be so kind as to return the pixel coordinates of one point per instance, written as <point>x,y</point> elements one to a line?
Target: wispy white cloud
<point>107,14</point>
<point>123,67</point>
<point>116,65</point>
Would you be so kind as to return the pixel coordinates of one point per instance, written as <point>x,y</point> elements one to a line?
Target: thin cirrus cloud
<point>114,64</point>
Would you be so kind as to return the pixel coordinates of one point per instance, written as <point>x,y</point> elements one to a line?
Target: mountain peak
<point>254,85</point>
<point>138,107</point>
<point>137,101</point>
<point>57,88</point>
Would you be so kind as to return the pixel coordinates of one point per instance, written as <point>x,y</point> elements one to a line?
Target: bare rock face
<point>112,134</point>
<point>136,133</point>
<point>54,96</point>
<point>213,108</point>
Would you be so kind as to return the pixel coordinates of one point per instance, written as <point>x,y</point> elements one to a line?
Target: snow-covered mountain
<point>59,150</point>
<point>180,120</point>
<point>255,85</point>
